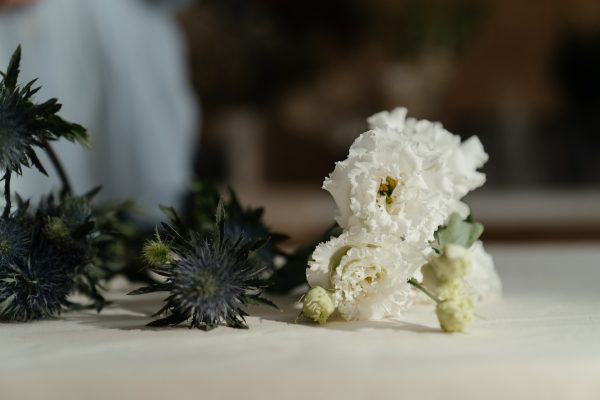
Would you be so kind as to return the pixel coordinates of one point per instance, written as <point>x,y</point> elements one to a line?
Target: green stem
<point>7,204</point>
<point>59,168</point>
<point>413,281</point>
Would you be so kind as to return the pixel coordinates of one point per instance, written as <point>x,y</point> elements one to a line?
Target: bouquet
<point>405,229</point>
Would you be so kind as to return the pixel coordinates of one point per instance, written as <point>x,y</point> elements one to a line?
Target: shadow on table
<point>123,313</point>
<point>133,313</point>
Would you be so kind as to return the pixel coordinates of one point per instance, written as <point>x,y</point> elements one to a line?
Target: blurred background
<point>276,91</point>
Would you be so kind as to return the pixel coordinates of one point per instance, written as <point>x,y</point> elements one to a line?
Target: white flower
<point>404,177</point>
<point>367,273</point>
<point>483,279</point>
<point>463,159</point>
<point>386,185</point>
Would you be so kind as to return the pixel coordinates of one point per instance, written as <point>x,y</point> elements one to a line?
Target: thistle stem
<point>59,168</point>
<point>7,204</point>
<point>413,281</point>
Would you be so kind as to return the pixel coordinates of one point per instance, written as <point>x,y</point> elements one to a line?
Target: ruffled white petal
<point>483,279</point>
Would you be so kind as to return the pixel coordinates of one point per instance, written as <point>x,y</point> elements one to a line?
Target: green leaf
<point>458,231</point>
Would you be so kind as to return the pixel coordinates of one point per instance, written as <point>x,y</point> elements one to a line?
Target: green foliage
<point>458,231</point>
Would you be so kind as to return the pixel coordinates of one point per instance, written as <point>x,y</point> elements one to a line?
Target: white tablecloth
<point>541,341</point>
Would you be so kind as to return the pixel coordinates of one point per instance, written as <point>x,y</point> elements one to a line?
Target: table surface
<point>541,341</point>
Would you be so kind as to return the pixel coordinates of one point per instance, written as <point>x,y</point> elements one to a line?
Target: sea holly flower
<point>366,273</point>
<point>15,239</point>
<point>209,278</point>
<point>241,222</point>
<point>56,247</point>
<point>34,287</point>
<point>25,125</point>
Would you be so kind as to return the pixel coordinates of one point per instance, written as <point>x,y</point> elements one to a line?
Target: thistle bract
<point>15,240</point>
<point>34,287</point>
<point>209,279</point>
<point>25,125</point>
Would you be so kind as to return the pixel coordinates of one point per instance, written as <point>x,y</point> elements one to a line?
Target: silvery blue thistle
<point>210,279</point>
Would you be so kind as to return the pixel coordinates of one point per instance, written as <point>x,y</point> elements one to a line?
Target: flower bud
<point>56,229</point>
<point>156,252</point>
<point>453,263</point>
<point>455,313</point>
<point>318,305</point>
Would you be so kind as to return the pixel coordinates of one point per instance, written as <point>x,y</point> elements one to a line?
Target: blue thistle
<point>25,124</point>
<point>49,253</point>
<point>209,279</point>
<point>34,287</point>
<point>242,222</point>
<point>68,224</point>
<point>15,239</point>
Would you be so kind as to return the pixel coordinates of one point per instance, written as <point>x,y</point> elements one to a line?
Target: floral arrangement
<point>58,246</point>
<point>403,235</point>
<point>63,244</point>
<point>210,275</point>
<point>405,229</point>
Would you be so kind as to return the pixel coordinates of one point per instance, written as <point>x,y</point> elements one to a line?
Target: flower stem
<point>59,168</point>
<point>7,204</point>
<point>413,281</point>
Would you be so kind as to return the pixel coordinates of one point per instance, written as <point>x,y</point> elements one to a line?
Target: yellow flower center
<point>386,188</point>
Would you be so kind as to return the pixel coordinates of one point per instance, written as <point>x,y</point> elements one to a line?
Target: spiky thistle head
<point>15,239</point>
<point>25,125</point>
<point>209,279</point>
<point>35,286</point>
<point>68,225</point>
<point>242,222</point>
<point>67,222</point>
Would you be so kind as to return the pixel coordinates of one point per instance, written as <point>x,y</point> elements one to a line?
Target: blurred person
<point>118,69</point>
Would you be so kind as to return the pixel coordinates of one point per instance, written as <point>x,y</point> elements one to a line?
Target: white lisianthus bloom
<point>482,279</point>
<point>385,185</point>
<point>404,177</point>
<point>367,273</point>
<point>462,159</point>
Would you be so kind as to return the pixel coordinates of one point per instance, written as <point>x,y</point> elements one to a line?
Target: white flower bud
<point>455,313</point>
<point>318,305</point>
<point>453,263</point>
